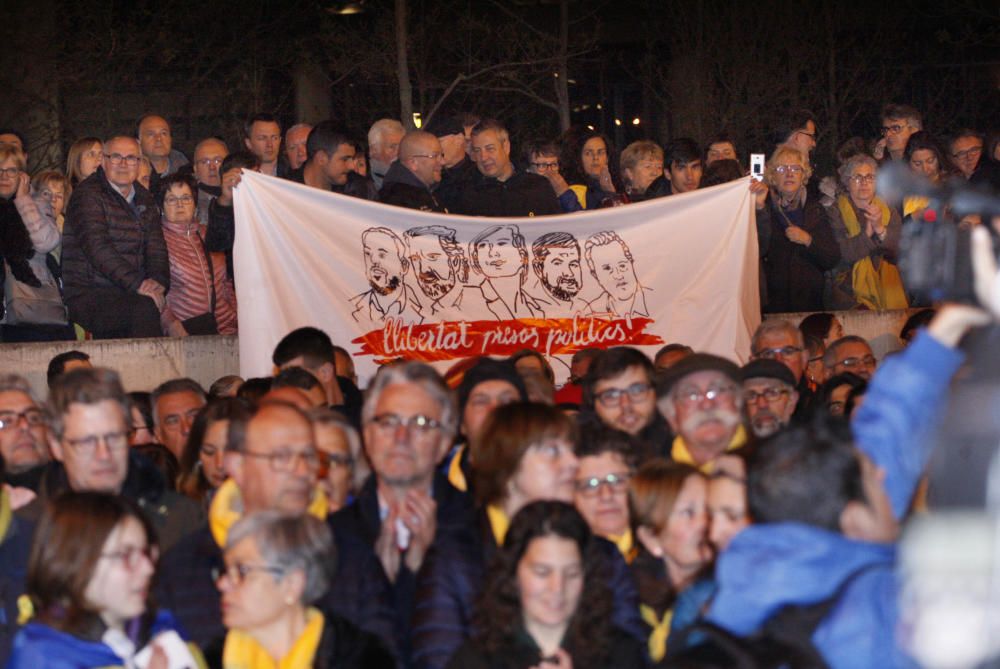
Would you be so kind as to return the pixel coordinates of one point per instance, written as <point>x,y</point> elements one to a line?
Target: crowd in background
<point>135,239</point>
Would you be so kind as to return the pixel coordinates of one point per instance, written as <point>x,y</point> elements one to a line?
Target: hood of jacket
<point>399,173</point>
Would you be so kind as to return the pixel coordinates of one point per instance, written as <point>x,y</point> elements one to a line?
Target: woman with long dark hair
<point>545,600</point>
<point>201,462</point>
<point>586,159</point>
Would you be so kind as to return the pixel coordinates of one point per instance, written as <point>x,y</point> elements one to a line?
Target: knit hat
<point>767,369</point>
<point>442,126</point>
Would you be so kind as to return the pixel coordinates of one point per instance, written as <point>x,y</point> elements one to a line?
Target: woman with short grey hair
<point>867,232</point>
<point>276,566</point>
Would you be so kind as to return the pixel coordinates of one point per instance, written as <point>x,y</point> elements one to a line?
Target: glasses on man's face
<point>9,172</point>
<point>32,418</point>
<point>857,361</point>
<point>591,487</point>
<point>432,156</point>
<point>691,397</point>
<point>418,426</point>
<point>116,159</point>
<point>968,153</point>
<point>613,396</point>
<point>770,395</point>
<point>893,129</point>
<point>789,169</point>
<point>808,134</point>
<point>172,201</point>
<point>205,162</point>
<point>779,352</point>
<point>131,556</point>
<point>237,573</point>
<point>861,179</point>
<point>554,165</point>
<point>86,446</point>
<point>330,461</point>
<point>283,460</point>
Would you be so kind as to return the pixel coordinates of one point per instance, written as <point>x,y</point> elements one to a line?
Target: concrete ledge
<point>145,363</point>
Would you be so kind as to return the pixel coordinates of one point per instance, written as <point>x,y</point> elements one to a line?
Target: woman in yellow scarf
<point>867,231</point>
<point>276,566</point>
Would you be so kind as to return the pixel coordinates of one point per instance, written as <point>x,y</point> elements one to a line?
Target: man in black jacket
<point>458,167</point>
<point>114,260</point>
<point>500,190</point>
<point>409,180</point>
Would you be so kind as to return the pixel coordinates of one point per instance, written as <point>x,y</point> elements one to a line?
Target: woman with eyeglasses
<point>33,308</point>
<point>867,231</point>
<point>668,502</point>
<point>201,465</point>
<point>545,602</point>
<point>89,572</point>
<point>524,454</point>
<point>796,243</point>
<point>276,566</point>
<point>342,465</point>
<point>201,300</point>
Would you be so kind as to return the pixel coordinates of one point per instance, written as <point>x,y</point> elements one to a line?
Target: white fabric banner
<point>387,282</point>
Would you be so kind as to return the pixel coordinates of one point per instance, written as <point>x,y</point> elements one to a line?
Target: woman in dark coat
<point>796,242</point>
<point>545,601</point>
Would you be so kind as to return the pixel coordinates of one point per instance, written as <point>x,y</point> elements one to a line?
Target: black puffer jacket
<point>402,188</point>
<point>108,242</point>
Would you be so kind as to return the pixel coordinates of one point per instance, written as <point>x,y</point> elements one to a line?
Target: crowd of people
<point>680,511</point>
<point>135,240</point>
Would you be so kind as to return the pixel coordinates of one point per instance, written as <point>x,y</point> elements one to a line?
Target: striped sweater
<point>190,292</point>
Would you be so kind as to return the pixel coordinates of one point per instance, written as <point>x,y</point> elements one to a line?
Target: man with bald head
<point>208,157</point>
<point>272,463</point>
<point>114,260</point>
<point>409,181</point>
<point>157,145</point>
<point>295,145</point>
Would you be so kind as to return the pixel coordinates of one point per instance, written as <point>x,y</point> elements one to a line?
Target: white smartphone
<point>757,166</point>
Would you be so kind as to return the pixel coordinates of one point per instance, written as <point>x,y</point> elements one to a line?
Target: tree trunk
<point>562,76</point>
<point>403,67</point>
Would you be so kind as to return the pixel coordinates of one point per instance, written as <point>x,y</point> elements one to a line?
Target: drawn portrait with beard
<point>441,269</point>
<point>388,296</point>
<point>558,275</point>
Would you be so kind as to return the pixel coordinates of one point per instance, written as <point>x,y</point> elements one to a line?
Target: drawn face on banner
<point>561,273</point>
<point>384,262</point>
<point>431,265</point>
<point>497,254</point>
<point>614,271</point>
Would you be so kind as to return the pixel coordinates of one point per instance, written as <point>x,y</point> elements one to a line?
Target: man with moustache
<point>769,395</point>
<point>208,157</point>
<point>556,264</point>
<point>702,399</point>
<point>386,266</point>
<point>441,270</point>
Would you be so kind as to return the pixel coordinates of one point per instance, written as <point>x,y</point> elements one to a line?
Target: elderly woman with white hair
<point>867,231</point>
<point>276,566</point>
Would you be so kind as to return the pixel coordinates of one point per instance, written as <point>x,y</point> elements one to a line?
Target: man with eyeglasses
<point>606,463</point>
<point>966,151</point>
<point>781,341</point>
<point>409,181</point>
<point>898,123</point>
<point>175,404</point>
<point>273,465</point>
<point>408,422</point>
<point>702,399</point>
<point>850,354</point>
<point>23,437</point>
<point>619,390</point>
<point>90,428</point>
<point>116,270</point>
<point>542,158</point>
<point>769,395</point>
<point>208,157</point>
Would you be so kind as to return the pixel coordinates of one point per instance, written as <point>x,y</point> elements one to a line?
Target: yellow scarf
<point>242,651</point>
<point>626,546</point>
<point>580,191</point>
<point>660,630</point>
<point>877,289</point>
<point>499,522</point>
<point>227,508</point>
<point>679,451</point>
<point>6,514</point>
<point>456,476</point>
